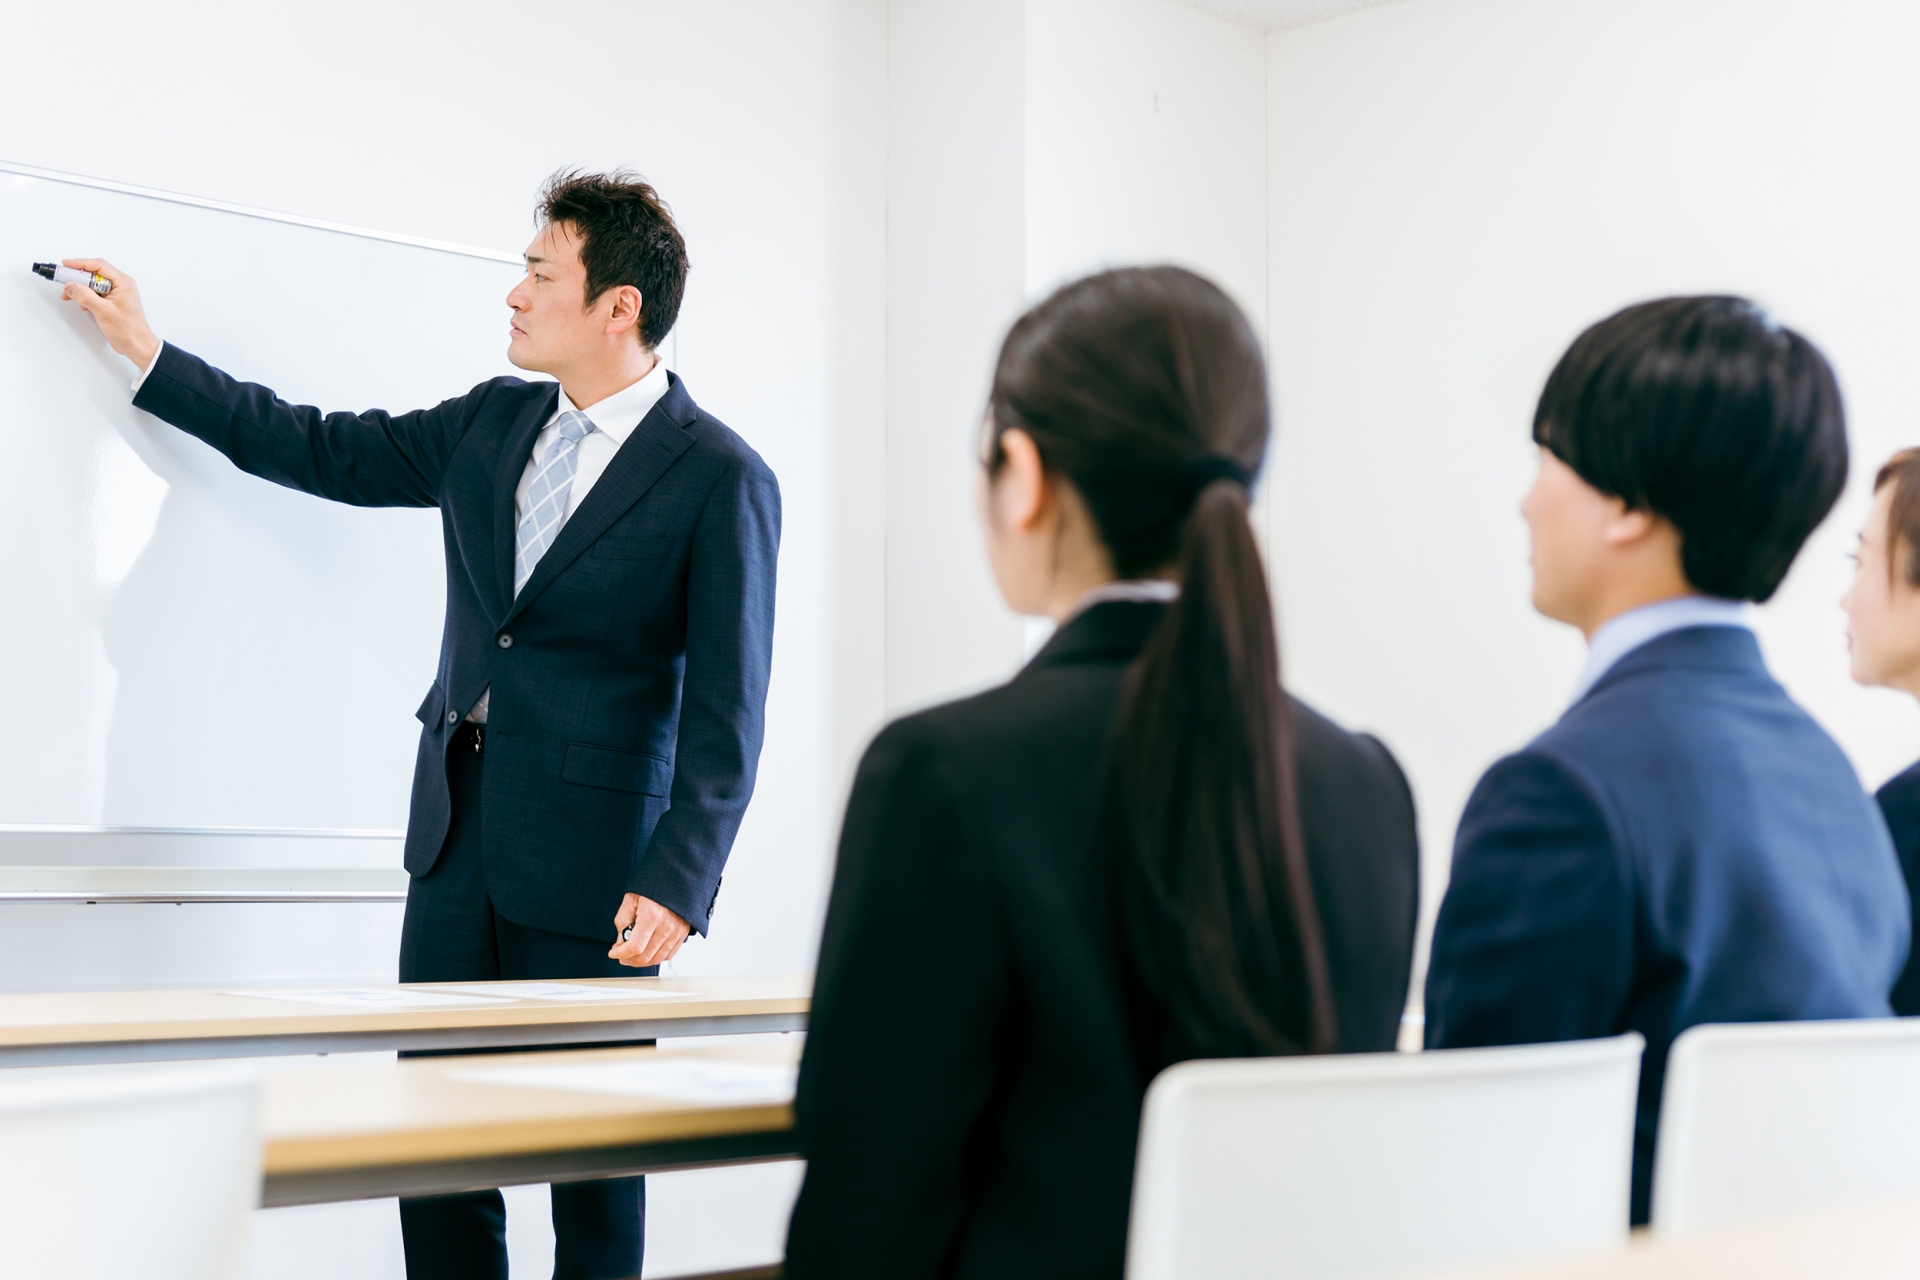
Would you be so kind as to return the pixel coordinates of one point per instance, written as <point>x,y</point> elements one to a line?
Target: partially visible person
<point>1140,850</point>
<point>1883,642</point>
<point>1686,845</point>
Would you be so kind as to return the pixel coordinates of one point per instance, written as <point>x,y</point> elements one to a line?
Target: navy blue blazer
<point>629,677</point>
<point>1686,845</point>
<point>1900,805</point>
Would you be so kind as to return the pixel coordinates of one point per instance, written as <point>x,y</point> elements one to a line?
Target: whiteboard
<point>186,645</point>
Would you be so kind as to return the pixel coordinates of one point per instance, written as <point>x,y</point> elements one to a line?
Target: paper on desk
<point>567,991</point>
<point>371,998</point>
<point>668,1077</point>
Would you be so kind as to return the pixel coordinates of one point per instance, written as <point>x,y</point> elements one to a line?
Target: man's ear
<point>626,309</point>
<point>1627,525</point>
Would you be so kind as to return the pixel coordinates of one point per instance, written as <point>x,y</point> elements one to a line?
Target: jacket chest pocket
<point>616,770</point>
<point>631,547</point>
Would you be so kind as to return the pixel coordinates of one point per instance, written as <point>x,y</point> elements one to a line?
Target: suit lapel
<point>513,464</point>
<point>655,445</point>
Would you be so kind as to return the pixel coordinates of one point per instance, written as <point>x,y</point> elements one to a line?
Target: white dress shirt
<point>1142,590</point>
<point>141,377</point>
<point>1620,635</point>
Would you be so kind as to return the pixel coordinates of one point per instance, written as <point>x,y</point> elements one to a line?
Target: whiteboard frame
<point>248,211</point>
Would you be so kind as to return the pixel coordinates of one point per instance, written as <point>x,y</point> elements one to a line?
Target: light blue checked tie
<point>547,497</point>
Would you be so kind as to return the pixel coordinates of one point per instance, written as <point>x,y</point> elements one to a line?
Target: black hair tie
<point>1204,470</point>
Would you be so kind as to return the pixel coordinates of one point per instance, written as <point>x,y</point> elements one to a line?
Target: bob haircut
<point>1707,413</point>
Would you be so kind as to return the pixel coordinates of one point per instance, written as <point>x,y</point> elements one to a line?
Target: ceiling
<point>1270,15</point>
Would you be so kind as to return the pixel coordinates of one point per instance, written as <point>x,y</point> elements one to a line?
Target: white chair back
<point>1383,1164</point>
<point>110,1175</point>
<point>1786,1117</point>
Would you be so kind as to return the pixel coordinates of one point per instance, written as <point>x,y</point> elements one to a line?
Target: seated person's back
<point>1686,845</point>
<point>1138,850</point>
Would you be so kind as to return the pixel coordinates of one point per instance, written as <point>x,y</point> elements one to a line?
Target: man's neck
<point>587,388</point>
<point>1631,597</point>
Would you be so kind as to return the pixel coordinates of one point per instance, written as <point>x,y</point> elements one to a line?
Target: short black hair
<point>1706,412</point>
<point>627,236</point>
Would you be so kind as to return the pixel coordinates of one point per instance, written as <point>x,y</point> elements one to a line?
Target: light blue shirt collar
<point>1621,635</point>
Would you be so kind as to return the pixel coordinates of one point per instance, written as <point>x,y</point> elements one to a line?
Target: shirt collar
<point>621,412</point>
<point>1155,590</point>
<point>1620,635</point>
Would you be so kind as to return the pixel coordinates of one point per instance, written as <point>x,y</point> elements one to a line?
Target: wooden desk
<point>67,1028</point>
<point>1872,1242</point>
<point>354,1132</point>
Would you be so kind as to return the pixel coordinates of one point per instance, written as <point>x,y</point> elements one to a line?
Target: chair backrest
<point>148,1172</point>
<point>1383,1164</point>
<point>1786,1117</point>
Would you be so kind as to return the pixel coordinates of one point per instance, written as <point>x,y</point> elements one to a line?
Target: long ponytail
<point>1146,389</point>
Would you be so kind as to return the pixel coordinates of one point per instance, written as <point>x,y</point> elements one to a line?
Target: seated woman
<point>1883,641</point>
<point>1138,851</point>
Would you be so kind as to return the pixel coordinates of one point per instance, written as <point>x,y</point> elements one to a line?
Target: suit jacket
<point>970,1095</point>
<point>629,677</point>
<point>1685,846</point>
<point>1900,805</point>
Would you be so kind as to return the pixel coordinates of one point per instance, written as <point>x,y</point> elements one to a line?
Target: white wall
<point>1034,141</point>
<point>955,227</point>
<point>764,124</point>
<point>1457,188</point>
<point>1145,142</point>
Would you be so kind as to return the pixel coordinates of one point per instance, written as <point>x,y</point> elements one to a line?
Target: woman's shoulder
<point>1900,803</point>
<point>1330,754</point>
<point>1036,713</point>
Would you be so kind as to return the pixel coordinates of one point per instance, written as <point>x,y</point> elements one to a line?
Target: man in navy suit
<point>591,737</point>
<point>1686,845</point>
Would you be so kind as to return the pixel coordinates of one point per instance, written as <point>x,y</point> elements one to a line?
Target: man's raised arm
<point>371,459</point>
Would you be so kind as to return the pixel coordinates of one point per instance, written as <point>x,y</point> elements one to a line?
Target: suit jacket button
<point>453,717</point>
<point>506,641</point>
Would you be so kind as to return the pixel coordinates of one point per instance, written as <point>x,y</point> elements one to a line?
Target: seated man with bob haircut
<point>1686,845</point>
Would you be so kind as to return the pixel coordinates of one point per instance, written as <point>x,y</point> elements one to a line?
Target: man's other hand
<point>657,932</point>
<point>122,320</point>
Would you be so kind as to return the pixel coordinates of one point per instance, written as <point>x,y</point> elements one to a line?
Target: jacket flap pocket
<point>430,707</point>
<point>617,770</point>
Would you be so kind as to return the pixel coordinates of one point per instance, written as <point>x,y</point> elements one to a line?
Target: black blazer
<point>630,675</point>
<point>970,1098</point>
<point>1900,805</point>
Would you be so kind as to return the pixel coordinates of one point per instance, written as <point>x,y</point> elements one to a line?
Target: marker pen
<point>68,275</point>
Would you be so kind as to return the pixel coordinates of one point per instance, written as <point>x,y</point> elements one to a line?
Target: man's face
<point>1568,520</point>
<point>552,326</point>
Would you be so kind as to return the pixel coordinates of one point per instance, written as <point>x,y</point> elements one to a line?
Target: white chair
<point>1786,1117</point>
<point>1383,1164</point>
<point>107,1175</point>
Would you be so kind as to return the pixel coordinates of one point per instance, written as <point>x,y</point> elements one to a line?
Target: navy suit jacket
<point>1900,805</point>
<point>629,676</point>
<point>1686,845</point>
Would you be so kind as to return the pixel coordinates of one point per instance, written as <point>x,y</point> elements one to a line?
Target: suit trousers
<point>453,934</point>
